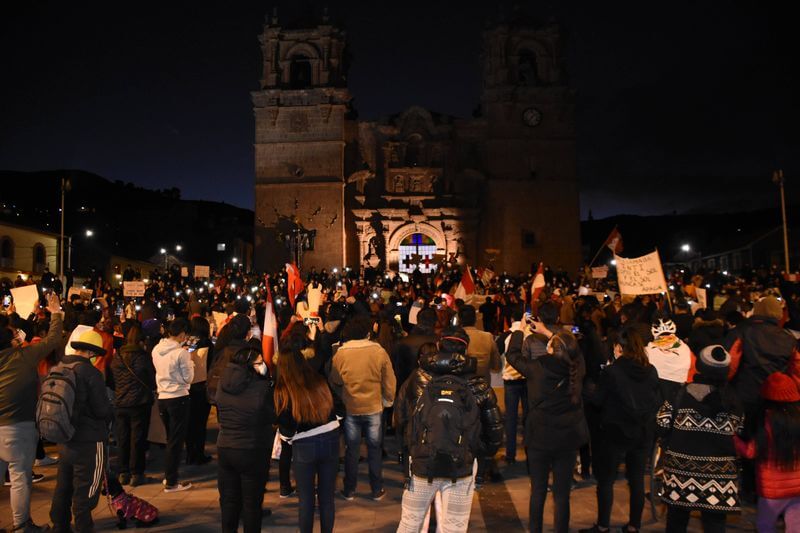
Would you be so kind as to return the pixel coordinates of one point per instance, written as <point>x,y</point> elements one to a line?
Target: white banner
<point>25,299</point>
<point>133,289</point>
<point>600,272</point>
<point>184,272</point>
<point>702,301</point>
<point>201,271</point>
<point>640,275</point>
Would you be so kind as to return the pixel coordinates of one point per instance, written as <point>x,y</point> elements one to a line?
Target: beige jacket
<point>363,374</point>
<point>483,348</point>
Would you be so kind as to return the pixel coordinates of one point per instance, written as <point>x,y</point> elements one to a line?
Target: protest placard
<point>600,272</point>
<point>201,271</point>
<point>133,289</point>
<point>640,275</point>
<point>184,272</point>
<point>702,300</point>
<point>25,299</point>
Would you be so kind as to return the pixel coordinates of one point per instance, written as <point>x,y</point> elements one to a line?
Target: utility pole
<point>777,178</point>
<point>61,248</point>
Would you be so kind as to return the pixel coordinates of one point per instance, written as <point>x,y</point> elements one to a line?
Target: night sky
<point>681,105</point>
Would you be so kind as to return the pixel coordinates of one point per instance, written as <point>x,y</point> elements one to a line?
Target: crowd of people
<point>594,379</point>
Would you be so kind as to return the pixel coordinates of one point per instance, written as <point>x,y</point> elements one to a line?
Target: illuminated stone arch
<point>405,231</point>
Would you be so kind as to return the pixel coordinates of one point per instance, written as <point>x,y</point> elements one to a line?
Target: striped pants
<point>456,506</point>
<point>81,473</point>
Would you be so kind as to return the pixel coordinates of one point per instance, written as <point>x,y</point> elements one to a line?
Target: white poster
<point>201,271</point>
<point>600,272</point>
<point>701,298</point>
<point>640,275</point>
<point>25,299</point>
<point>133,289</point>
<point>184,272</point>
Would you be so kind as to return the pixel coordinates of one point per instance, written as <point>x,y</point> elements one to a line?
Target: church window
<point>39,258</point>
<point>6,251</point>
<point>300,73</point>
<point>527,68</point>
<point>414,150</point>
<point>417,250</point>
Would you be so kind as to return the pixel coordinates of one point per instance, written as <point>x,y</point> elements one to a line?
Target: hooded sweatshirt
<point>245,409</point>
<point>174,369</point>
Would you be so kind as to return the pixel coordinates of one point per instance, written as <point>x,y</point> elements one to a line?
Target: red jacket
<point>771,482</point>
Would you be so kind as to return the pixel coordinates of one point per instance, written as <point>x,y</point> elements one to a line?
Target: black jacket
<point>554,422</point>
<point>92,407</point>
<point>406,351</point>
<point>134,377</point>
<point>217,366</point>
<point>459,365</point>
<point>245,409</point>
<point>628,397</point>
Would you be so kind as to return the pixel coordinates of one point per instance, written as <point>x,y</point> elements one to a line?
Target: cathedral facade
<point>415,187</point>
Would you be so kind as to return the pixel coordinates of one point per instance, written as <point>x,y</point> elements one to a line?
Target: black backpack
<point>444,433</point>
<point>55,410</point>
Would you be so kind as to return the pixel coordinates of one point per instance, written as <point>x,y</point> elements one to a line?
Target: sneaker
<point>177,488</point>
<point>45,461</point>
<point>124,478</point>
<point>36,478</point>
<point>138,479</point>
<point>30,527</point>
<point>288,493</point>
<point>349,496</point>
<point>378,496</point>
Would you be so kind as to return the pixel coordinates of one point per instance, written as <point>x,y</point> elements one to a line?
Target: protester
<point>174,374</point>
<point>18,435</point>
<point>246,413</point>
<point>83,458</point>
<point>134,380</point>
<point>556,426</point>
<point>515,388</point>
<point>776,449</point>
<point>698,426</point>
<point>363,372</point>
<point>627,395</point>
<point>200,348</point>
<point>308,418</point>
<point>671,357</point>
<point>481,344</point>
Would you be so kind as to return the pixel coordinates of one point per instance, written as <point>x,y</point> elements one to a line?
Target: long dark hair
<point>784,419</point>
<point>298,384</point>
<point>565,347</point>
<point>632,346</point>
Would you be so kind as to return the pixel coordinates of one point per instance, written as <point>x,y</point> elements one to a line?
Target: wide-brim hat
<point>89,341</point>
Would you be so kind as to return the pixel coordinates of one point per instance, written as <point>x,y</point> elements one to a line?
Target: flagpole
<point>605,243</point>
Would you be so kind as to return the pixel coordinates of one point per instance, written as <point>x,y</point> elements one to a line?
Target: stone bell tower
<point>532,191</point>
<point>300,135</point>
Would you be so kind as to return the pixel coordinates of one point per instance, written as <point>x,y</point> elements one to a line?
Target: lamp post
<point>299,240</point>
<point>777,179</point>
<point>164,251</point>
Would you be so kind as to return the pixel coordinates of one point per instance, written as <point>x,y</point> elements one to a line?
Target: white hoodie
<point>174,369</point>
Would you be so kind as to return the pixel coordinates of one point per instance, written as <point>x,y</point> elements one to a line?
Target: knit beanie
<point>768,306</point>
<point>713,362</point>
<point>779,387</point>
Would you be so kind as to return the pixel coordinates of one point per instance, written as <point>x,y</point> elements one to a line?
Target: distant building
<point>399,191</point>
<point>26,251</point>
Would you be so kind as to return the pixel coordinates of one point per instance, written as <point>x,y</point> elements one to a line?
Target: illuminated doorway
<point>417,250</point>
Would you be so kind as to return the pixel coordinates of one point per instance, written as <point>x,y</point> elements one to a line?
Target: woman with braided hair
<point>556,426</point>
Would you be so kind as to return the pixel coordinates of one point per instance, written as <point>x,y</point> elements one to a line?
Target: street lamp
<point>178,247</point>
<point>777,179</point>
<point>89,233</point>
<point>686,248</point>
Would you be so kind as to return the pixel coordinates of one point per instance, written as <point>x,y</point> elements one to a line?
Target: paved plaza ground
<point>498,507</point>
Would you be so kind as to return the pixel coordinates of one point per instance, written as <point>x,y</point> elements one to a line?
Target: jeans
<point>242,478</point>
<point>81,472</point>
<point>131,425</point>
<point>540,464</point>
<point>515,392</point>
<point>316,458</point>
<point>455,509</point>
<point>770,509</point>
<point>285,468</point>
<point>354,427</point>
<point>174,413</point>
<point>678,520</point>
<point>607,457</point>
<point>17,450</point>
<point>198,416</point>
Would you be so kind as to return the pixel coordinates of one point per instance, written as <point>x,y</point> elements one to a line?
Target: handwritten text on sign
<point>133,289</point>
<point>640,275</point>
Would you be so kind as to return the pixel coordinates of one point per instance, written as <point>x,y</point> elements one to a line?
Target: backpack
<point>444,433</point>
<point>129,507</point>
<point>55,410</point>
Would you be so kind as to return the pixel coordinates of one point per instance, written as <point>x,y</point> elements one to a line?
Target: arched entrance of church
<point>415,245</point>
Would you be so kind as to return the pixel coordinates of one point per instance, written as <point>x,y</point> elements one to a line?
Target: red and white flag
<point>269,338</point>
<point>466,286</point>
<point>537,285</point>
<point>485,275</point>
<point>294,282</point>
<point>614,241</point>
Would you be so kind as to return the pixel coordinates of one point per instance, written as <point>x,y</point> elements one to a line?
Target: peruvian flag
<point>537,285</point>
<point>485,275</point>
<point>294,283</point>
<point>466,286</point>
<point>614,241</point>
<point>269,339</point>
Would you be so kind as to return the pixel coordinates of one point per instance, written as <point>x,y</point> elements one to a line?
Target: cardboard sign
<point>600,272</point>
<point>25,299</point>
<point>701,298</point>
<point>202,271</point>
<point>133,289</point>
<point>184,272</point>
<point>641,275</point>
<point>219,319</point>
<point>85,294</point>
